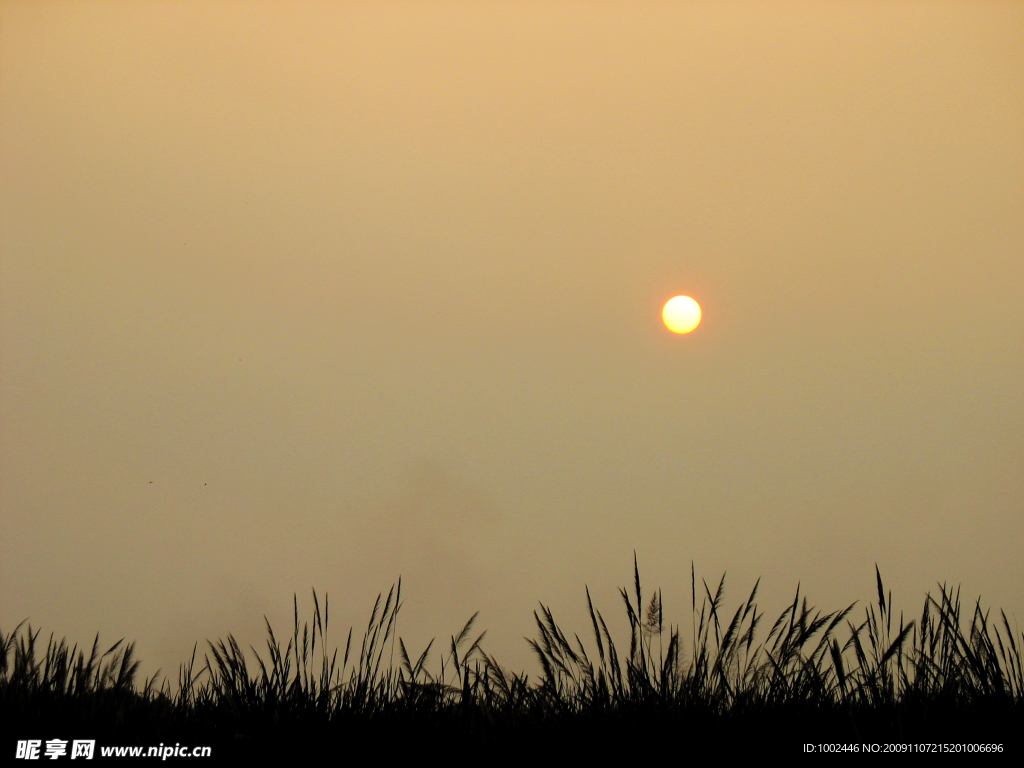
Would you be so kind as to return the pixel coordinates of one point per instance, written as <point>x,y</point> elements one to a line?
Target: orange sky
<point>314,294</point>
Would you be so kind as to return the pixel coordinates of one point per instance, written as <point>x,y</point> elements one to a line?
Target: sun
<point>681,314</point>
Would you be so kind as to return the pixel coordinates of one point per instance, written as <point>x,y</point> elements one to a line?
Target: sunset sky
<point>316,294</point>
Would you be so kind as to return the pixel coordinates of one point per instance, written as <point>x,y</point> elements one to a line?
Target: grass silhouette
<point>949,676</point>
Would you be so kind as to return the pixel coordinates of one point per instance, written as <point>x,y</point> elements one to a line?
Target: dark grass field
<point>855,679</point>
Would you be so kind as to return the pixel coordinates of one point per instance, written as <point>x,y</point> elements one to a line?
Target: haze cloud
<point>314,295</point>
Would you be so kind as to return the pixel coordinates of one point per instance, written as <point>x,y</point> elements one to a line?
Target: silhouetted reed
<point>815,676</point>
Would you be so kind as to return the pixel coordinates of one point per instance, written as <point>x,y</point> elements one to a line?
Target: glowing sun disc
<point>681,314</point>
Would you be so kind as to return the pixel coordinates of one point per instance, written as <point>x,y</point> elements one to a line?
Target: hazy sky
<point>317,294</point>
